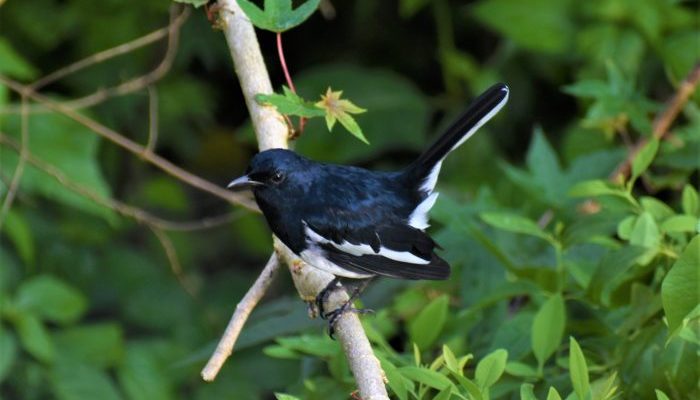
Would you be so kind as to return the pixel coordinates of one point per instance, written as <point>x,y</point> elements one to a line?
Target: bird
<point>356,223</point>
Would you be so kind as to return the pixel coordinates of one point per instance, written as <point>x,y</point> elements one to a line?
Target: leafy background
<point>564,284</point>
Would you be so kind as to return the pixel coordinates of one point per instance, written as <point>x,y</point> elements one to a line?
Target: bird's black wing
<point>395,250</point>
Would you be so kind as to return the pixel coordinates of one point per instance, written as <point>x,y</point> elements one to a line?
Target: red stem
<point>284,63</point>
<point>280,52</point>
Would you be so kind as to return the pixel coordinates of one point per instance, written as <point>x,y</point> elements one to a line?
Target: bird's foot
<point>323,296</point>
<point>334,316</point>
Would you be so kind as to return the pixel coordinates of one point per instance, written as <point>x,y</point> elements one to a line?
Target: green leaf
<point>398,110</point>
<point>645,233</point>
<point>595,188</point>
<point>548,328</point>
<point>34,337</point>
<point>428,324</point>
<point>690,202</point>
<point>290,103</point>
<point>515,223</point>
<point>578,370</point>
<point>644,158</point>
<point>490,368</point>
<point>98,345</point>
<point>340,109</point>
<point>444,394</point>
<point>527,392</point>
<point>624,228</point>
<point>426,376</point>
<point>283,396</point>
<point>8,352</point>
<point>588,88</point>
<point>14,65</point>
<point>72,380</point>
<point>450,360</point>
<point>553,394</point>
<point>195,3</point>
<point>535,31</point>
<point>680,292</point>
<point>516,368</point>
<point>408,8</point>
<point>278,15</point>
<point>19,232</point>
<point>395,379</point>
<point>69,147</point>
<point>681,223</point>
<point>660,395</point>
<point>142,376</point>
<point>51,298</point>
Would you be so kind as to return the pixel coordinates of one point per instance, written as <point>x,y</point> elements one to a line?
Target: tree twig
<point>239,317</point>
<point>133,147</point>
<point>111,53</point>
<point>19,169</point>
<point>662,122</point>
<point>271,132</point>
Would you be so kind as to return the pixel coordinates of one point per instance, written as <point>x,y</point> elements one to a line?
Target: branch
<point>239,317</point>
<point>133,147</point>
<point>19,169</point>
<point>271,132</point>
<point>662,122</point>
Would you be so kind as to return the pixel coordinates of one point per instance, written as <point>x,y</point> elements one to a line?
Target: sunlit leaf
<point>337,109</point>
<point>578,369</point>
<point>679,290</point>
<point>290,103</point>
<point>490,368</point>
<point>427,325</point>
<point>644,158</point>
<point>548,328</point>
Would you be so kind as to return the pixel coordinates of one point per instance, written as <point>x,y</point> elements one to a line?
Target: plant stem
<point>288,77</point>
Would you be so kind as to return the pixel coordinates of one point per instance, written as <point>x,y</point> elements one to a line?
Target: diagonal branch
<point>662,122</point>
<point>131,146</point>
<point>271,132</point>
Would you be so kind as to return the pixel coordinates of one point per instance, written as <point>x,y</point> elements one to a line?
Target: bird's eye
<point>277,178</point>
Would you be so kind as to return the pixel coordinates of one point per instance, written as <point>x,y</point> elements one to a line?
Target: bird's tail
<point>425,169</point>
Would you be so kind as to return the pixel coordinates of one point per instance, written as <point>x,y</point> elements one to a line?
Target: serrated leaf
<point>290,103</point>
<point>51,299</point>
<point>679,290</point>
<point>428,324</point>
<point>490,368</point>
<point>514,223</point>
<point>644,158</point>
<point>548,328</point>
<point>578,370</point>
<point>337,109</point>
<point>278,15</point>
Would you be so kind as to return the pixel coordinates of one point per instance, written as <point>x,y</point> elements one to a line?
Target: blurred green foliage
<point>565,285</point>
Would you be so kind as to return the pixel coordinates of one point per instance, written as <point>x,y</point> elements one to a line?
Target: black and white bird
<point>356,223</point>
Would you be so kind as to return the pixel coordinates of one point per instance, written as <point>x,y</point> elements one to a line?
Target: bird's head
<point>274,172</point>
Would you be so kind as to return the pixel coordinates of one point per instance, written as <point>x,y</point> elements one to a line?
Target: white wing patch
<point>314,256</point>
<point>419,217</point>
<point>314,238</point>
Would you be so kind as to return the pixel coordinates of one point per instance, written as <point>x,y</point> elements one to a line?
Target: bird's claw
<point>323,296</point>
<point>334,316</point>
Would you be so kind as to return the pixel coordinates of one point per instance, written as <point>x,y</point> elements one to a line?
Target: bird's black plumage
<point>357,223</point>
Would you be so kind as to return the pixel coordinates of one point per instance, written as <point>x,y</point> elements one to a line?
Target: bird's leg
<point>347,307</point>
<point>323,296</point>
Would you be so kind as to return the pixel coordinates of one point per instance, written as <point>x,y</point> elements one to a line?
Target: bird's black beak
<point>242,183</point>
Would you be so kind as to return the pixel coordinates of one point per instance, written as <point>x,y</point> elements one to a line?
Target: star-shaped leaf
<point>338,109</point>
<point>290,103</point>
<point>278,15</point>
